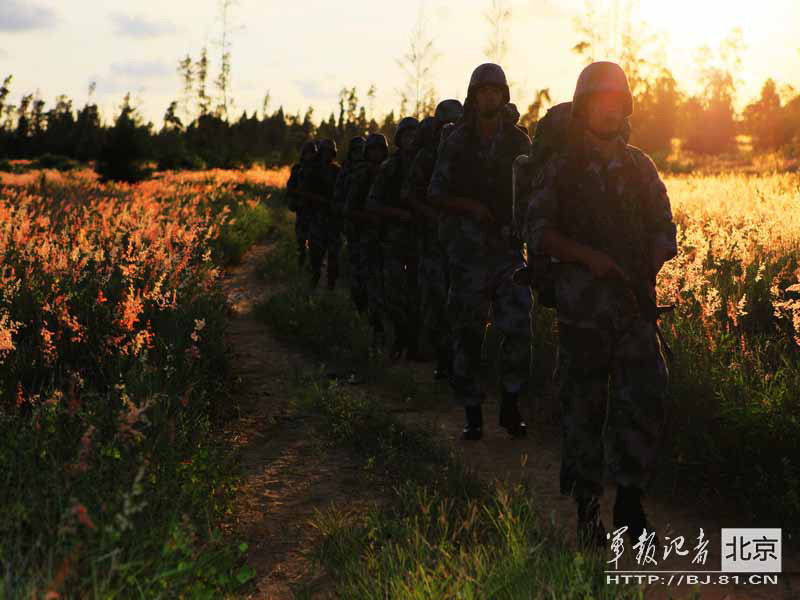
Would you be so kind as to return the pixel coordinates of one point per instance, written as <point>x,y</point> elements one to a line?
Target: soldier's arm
<point>441,188</point>
<point>543,236</point>
<point>658,217</point>
<point>376,206</point>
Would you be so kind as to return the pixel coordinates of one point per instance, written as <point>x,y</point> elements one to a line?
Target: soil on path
<point>286,479</point>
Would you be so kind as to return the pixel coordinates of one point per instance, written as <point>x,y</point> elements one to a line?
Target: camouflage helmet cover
<point>376,140</point>
<point>602,76</point>
<point>449,111</point>
<point>405,124</point>
<point>327,144</point>
<point>309,146</point>
<point>356,146</point>
<point>489,74</point>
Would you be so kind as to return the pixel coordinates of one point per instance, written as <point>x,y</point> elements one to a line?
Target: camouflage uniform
<point>326,234</point>
<point>482,259</point>
<point>366,257</point>
<point>355,154</point>
<point>619,207</point>
<point>433,275</point>
<point>303,212</point>
<point>398,246</point>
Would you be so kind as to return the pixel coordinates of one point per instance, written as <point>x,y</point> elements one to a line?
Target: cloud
<point>148,69</point>
<point>134,76</point>
<point>313,89</point>
<point>23,15</point>
<point>140,27</point>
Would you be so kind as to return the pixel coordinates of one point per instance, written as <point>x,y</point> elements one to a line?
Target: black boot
<point>628,511</point>
<point>510,418</point>
<point>591,531</point>
<point>473,426</point>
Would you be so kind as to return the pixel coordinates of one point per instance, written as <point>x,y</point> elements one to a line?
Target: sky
<point>303,53</point>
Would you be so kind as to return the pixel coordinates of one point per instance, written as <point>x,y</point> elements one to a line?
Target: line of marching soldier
<point>468,218</point>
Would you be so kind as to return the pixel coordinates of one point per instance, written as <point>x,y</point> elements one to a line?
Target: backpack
<point>550,137</point>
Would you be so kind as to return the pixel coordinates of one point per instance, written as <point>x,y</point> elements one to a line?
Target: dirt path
<point>286,480</point>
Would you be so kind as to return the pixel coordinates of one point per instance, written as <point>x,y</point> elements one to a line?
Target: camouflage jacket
<point>361,179</point>
<point>619,207</point>
<point>415,188</point>
<point>293,184</point>
<point>468,167</point>
<point>320,178</point>
<point>386,191</point>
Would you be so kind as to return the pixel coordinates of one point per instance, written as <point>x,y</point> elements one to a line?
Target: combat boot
<point>474,424</point>
<point>628,511</point>
<point>510,417</point>
<point>591,534</point>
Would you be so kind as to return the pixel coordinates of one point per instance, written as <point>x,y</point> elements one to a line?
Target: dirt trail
<point>285,480</point>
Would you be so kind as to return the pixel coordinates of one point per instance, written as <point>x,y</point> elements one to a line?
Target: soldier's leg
<point>301,234</point>
<point>511,307</point>
<point>334,249</point>
<point>359,270</point>
<point>317,252</point>
<point>395,286</point>
<point>635,421</point>
<point>583,373</point>
<point>375,291</point>
<point>433,286</point>
<point>467,306</point>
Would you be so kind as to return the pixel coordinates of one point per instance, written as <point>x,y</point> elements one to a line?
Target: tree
<point>126,147</point>
<point>201,77</point>
<point>224,78</point>
<point>531,116</point>
<point>498,18</point>
<point>765,120</point>
<point>418,63</point>
<point>186,72</point>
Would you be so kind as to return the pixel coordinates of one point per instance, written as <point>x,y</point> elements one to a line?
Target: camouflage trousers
<point>618,425</point>
<point>325,240</point>
<point>359,272</point>
<point>433,287</point>
<point>400,297</point>
<point>480,273</point>
<point>302,230</point>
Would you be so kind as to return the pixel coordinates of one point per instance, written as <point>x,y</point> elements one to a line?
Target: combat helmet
<point>405,124</point>
<point>602,76</point>
<point>449,111</point>
<point>376,140</point>
<point>355,148</point>
<point>327,144</point>
<point>309,146</point>
<point>488,74</point>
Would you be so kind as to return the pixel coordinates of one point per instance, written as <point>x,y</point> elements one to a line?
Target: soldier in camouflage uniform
<point>398,242</point>
<point>317,185</point>
<point>433,278</point>
<point>299,206</point>
<point>600,209</point>
<point>355,154</point>
<point>366,263</point>
<point>472,183</point>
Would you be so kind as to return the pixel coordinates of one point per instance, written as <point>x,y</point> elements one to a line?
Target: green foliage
<point>248,225</point>
<point>126,148</point>
<point>54,161</point>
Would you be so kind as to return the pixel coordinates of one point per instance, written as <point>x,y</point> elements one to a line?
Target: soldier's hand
<point>603,266</point>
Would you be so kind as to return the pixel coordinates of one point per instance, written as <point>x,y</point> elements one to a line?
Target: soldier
<point>472,183</point>
<point>297,205</point>
<point>317,185</point>
<point>600,209</point>
<point>355,154</point>
<point>433,279</point>
<point>398,240</point>
<point>366,284</point>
